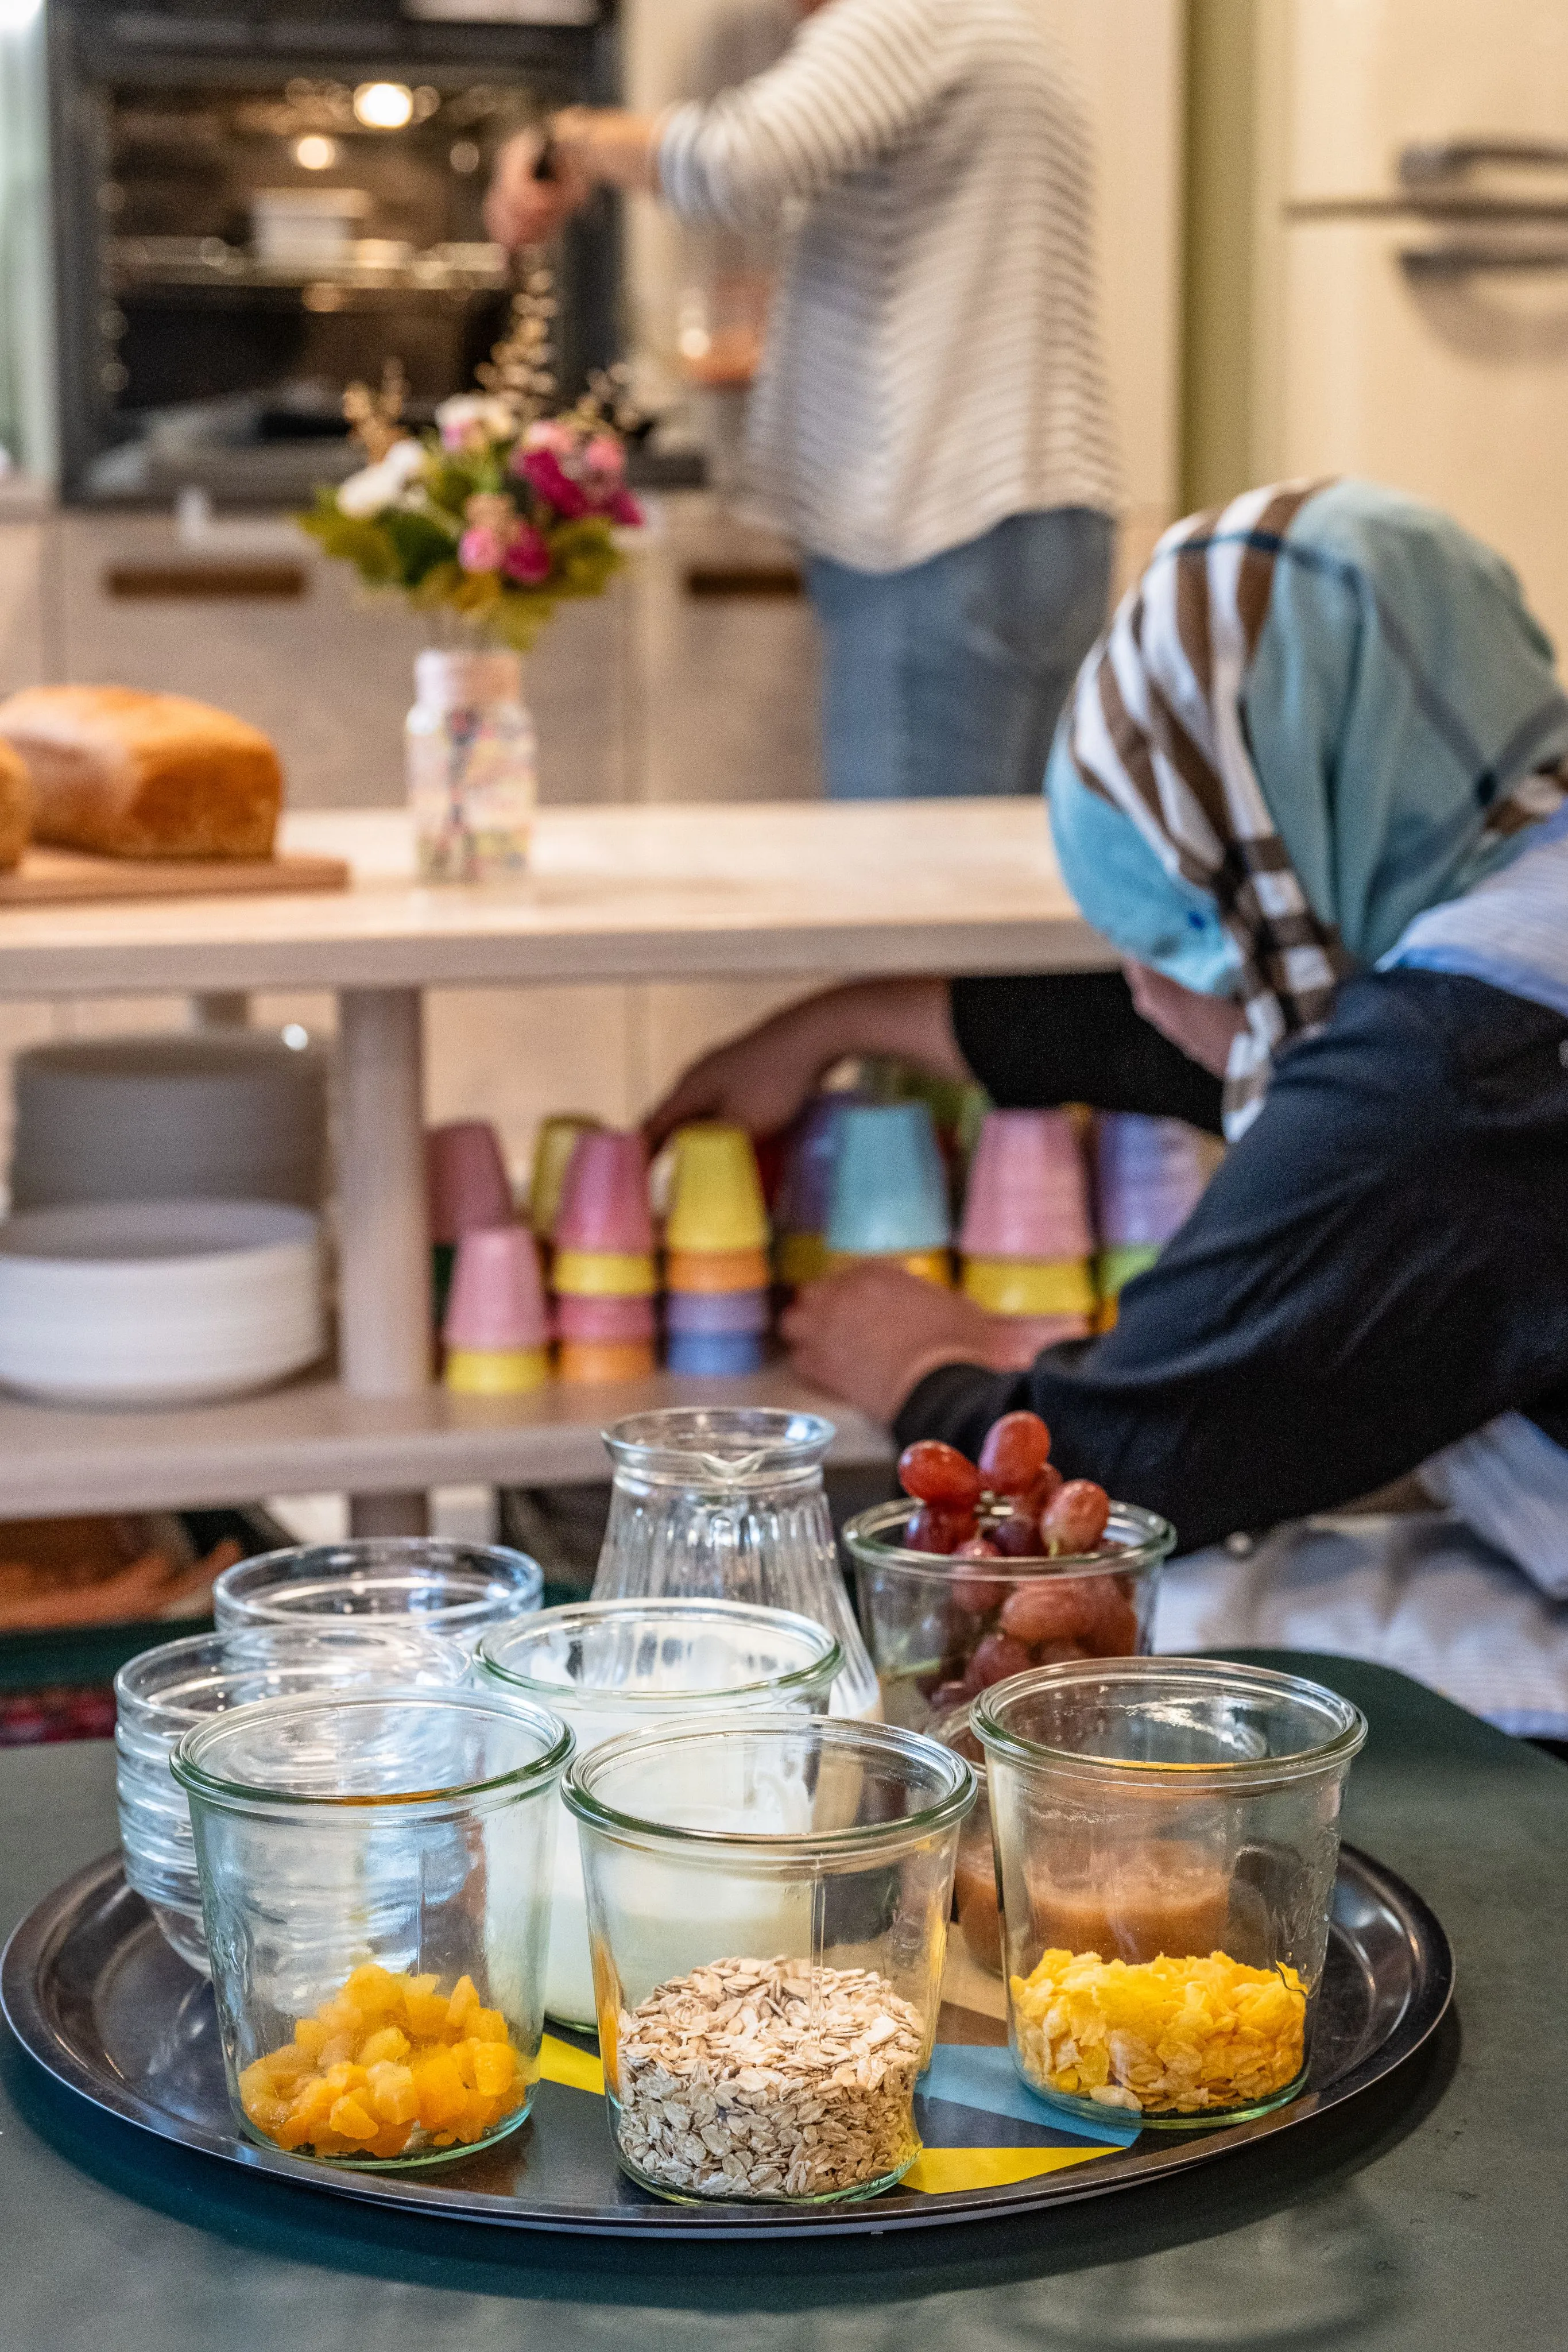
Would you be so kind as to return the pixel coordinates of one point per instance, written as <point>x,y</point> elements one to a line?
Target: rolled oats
<point>767,2078</point>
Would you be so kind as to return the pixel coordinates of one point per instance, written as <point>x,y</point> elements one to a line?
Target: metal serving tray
<point>91,1990</point>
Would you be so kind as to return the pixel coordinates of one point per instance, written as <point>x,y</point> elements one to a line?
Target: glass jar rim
<point>672,1611</point>
<point>879,1739</point>
<point>717,1446</point>
<point>1335,1750</point>
<point>400,1640</point>
<point>360,1562</point>
<point>869,1548</point>
<point>541,1771</point>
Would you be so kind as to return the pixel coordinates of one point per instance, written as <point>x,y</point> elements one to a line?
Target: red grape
<point>977,1595</point>
<point>1045,1489</point>
<point>934,1473</point>
<point>1074,1520</point>
<point>1014,1452</point>
<point>1016,1537</point>
<point>929,1529</point>
<point>978,1547</point>
<point>996,1657</point>
<point>1115,1632</point>
<point>949,1694</point>
<point>1051,1609</point>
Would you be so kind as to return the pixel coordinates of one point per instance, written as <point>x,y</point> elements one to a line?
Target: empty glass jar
<point>1166,1834</point>
<point>728,1503</point>
<point>457,1589</point>
<point>768,1902</point>
<point>612,1666</point>
<point>375,1882</point>
<point>165,1692</point>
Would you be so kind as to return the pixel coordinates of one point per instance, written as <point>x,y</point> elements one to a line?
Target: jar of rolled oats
<point>768,1902</point>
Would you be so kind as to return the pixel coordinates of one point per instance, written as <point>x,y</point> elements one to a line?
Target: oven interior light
<point>383,105</point>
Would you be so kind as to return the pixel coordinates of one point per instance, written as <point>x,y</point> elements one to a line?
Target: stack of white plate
<point>224,1115</point>
<point>158,1302</point>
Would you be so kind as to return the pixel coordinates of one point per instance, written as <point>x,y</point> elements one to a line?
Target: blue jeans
<point>946,679</point>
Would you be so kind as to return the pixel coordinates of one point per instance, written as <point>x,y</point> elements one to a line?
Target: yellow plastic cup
<point>934,1266</point>
<point>553,1146</point>
<point>715,1194</point>
<point>1022,1286</point>
<point>800,1258</point>
<point>496,1372</point>
<point>602,1274</point>
<point>1121,1262</point>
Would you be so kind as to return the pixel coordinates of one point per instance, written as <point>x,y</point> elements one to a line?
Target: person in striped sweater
<point>931,423</point>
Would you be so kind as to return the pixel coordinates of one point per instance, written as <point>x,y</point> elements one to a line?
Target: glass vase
<point>472,767</point>
<point>727,1504</point>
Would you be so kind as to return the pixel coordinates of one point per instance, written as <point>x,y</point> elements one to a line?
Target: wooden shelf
<point>313,1437</point>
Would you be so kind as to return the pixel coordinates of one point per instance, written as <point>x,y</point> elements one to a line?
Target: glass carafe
<point>728,1503</point>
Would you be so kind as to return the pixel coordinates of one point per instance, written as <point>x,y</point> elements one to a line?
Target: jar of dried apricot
<point>375,1872</point>
<point>1166,1834</point>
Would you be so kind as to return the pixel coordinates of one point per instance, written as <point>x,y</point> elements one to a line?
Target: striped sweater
<point>932,362</point>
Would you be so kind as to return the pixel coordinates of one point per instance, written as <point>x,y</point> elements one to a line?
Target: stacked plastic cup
<point>805,1197</point>
<point>604,1269</point>
<point>1026,1237</point>
<point>467,1189</point>
<point>1149,1173</point>
<point>716,1267</point>
<point>889,1193</point>
<point>497,1328</point>
<point>553,1146</point>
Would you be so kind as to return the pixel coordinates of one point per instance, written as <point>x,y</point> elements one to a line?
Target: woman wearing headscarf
<point>1311,785</point>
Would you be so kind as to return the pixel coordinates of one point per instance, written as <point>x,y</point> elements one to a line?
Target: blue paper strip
<point>964,2076</point>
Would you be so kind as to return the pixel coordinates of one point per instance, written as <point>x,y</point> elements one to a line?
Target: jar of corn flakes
<point>1167,1836</point>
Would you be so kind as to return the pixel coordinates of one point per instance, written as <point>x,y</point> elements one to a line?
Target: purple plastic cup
<point>465,1179</point>
<point>1028,1194</point>
<point>604,1200</point>
<point>805,1196</point>
<point>1149,1176</point>
<point>713,1315</point>
<point>496,1300</point>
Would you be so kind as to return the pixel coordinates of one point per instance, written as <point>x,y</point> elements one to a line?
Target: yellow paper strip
<point>939,2171</point>
<point>579,2070</point>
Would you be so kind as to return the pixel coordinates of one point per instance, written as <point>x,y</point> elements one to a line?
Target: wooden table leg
<point>383,1238</point>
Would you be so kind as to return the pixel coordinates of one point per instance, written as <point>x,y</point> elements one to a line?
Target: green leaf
<point>420,544</point>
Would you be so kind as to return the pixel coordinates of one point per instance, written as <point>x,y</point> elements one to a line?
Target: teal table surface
<point>1429,2214</point>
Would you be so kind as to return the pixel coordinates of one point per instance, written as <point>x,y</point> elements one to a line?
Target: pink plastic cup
<point>498,1299</point>
<point>604,1200</point>
<point>465,1179</point>
<point>605,1318</point>
<point>1028,1194</point>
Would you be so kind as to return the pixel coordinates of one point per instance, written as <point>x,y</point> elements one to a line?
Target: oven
<point>259,200</point>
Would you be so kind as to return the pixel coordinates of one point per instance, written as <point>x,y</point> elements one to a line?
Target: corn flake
<point>1160,2037</point>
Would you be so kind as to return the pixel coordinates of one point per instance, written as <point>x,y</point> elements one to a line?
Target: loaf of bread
<point>15,807</point>
<point>143,775</point>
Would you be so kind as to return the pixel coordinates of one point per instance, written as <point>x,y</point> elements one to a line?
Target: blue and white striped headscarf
<point>1323,709</point>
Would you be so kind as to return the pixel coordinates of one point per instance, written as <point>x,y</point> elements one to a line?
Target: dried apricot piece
<point>442,2093</point>
<point>388,2042</point>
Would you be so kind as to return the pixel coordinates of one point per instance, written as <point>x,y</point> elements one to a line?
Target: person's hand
<point>520,210</point>
<point>1204,1028</point>
<point>872,1332</point>
<point>758,1081</point>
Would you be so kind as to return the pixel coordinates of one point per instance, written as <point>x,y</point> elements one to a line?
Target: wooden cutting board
<point>65,877</point>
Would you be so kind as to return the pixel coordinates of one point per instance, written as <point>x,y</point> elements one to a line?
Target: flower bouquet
<point>495,517</point>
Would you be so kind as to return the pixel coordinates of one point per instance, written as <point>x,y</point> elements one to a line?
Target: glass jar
<point>163,1693</point>
<point>1166,1834</point>
<point>977,1904</point>
<point>458,1589</point>
<point>942,1629</point>
<point>472,767</point>
<point>768,1900</point>
<point>375,1878</point>
<point>612,1666</point>
<point>728,1503</point>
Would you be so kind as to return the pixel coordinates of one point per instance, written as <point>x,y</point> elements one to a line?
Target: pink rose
<point>528,558</point>
<point>480,549</point>
<point>604,454</point>
<point>547,433</point>
<point>542,470</point>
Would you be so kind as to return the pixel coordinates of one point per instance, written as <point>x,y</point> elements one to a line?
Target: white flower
<point>473,416</point>
<point>374,488</point>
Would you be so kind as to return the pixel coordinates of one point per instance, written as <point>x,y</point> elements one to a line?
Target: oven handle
<point>1436,160</point>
